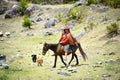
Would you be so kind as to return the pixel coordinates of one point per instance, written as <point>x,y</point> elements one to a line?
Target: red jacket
<point>67,39</point>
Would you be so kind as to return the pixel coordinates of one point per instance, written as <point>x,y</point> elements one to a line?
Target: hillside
<point>103,52</point>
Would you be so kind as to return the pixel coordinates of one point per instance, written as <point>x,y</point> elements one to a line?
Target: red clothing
<point>67,39</point>
<point>64,39</point>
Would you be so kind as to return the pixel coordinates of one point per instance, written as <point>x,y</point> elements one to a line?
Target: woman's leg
<point>66,49</point>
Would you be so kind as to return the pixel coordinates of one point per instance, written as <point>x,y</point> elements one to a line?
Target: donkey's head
<point>45,48</point>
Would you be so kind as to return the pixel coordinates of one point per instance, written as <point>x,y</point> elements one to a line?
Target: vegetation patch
<point>113,66</point>
<point>27,22</point>
<point>112,29</point>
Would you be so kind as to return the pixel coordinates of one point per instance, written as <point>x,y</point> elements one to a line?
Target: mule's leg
<point>62,60</point>
<point>71,59</point>
<point>55,61</point>
<point>77,62</point>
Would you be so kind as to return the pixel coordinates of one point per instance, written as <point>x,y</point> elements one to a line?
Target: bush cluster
<point>59,16</point>
<point>112,28</point>
<point>27,22</point>
<point>112,3</point>
<point>73,14</point>
<point>23,5</point>
<point>89,27</point>
<point>91,2</point>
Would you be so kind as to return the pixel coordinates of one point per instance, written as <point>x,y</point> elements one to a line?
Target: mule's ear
<point>45,43</point>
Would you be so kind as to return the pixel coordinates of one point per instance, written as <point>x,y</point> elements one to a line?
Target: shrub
<point>36,1</point>
<point>65,20</point>
<point>3,77</point>
<point>27,22</point>
<point>113,66</point>
<point>91,2</point>
<point>59,16</point>
<point>112,3</point>
<point>113,28</point>
<point>118,19</point>
<point>23,6</point>
<point>74,12</point>
<point>89,27</point>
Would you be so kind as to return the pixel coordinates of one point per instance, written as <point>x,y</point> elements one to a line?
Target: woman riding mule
<point>68,41</point>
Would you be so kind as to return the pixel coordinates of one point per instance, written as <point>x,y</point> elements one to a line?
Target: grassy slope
<point>93,42</point>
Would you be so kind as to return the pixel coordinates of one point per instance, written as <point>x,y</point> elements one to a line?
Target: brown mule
<point>60,52</point>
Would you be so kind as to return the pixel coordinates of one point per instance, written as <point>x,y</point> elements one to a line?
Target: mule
<point>54,48</point>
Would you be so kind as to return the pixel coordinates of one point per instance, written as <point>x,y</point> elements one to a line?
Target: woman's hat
<point>66,27</point>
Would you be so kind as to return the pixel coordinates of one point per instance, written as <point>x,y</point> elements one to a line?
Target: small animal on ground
<point>39,61</point>
<point>34,57</point>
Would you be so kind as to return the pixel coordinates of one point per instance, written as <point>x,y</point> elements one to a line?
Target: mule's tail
<point>82,52</point>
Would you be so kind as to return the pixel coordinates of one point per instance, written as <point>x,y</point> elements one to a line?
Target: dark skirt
<point>69,48</point>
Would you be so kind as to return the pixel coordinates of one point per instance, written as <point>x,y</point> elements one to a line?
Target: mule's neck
<point>53,47</point>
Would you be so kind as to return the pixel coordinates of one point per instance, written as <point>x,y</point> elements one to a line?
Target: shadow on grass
<point>75,65</point>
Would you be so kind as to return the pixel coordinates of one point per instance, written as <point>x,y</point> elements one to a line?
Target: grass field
<point>94,43</point>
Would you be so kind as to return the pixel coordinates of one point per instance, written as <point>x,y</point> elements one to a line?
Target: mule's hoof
<point>53,66</point>
<point>67,66</point>
<point>77,64</point>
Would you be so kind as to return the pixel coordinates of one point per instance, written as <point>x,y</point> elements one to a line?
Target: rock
<point>12,58</point>
<point>106,75</point>
<point>73,70</point>
<point>110,60</point>
<point>64,73</point>
<point>71,24</point>
<point>1,34</point>
<point>97,66</point>
<point>118,32</point>
<point>79,35</point>
<point>48,32</point>
<point>28,11</point>
<point>80,2</point>
<point>112,53</point>
<point>15,9</point>
<point>3,10</point>
<point>50,22</point>
<point>85,79</point>
<point>30,34</point>
<point>103,8</point>
<point>2,57</point>
<point>19,56</point>
<point>114,40</point>
<point>94,7</point>
<point>33,22</point>
<point>118,60</point>
<point>69,68</point>
<point>7,34</point>
<point>3,63</point>
<point>39,19</point>
<point>35,8</point>
<point>99,8</point>
<point>43,3</point>
<point>104,19</point>
<point>24,29</point>
<point>100,62</point>
<point>9,14</point>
